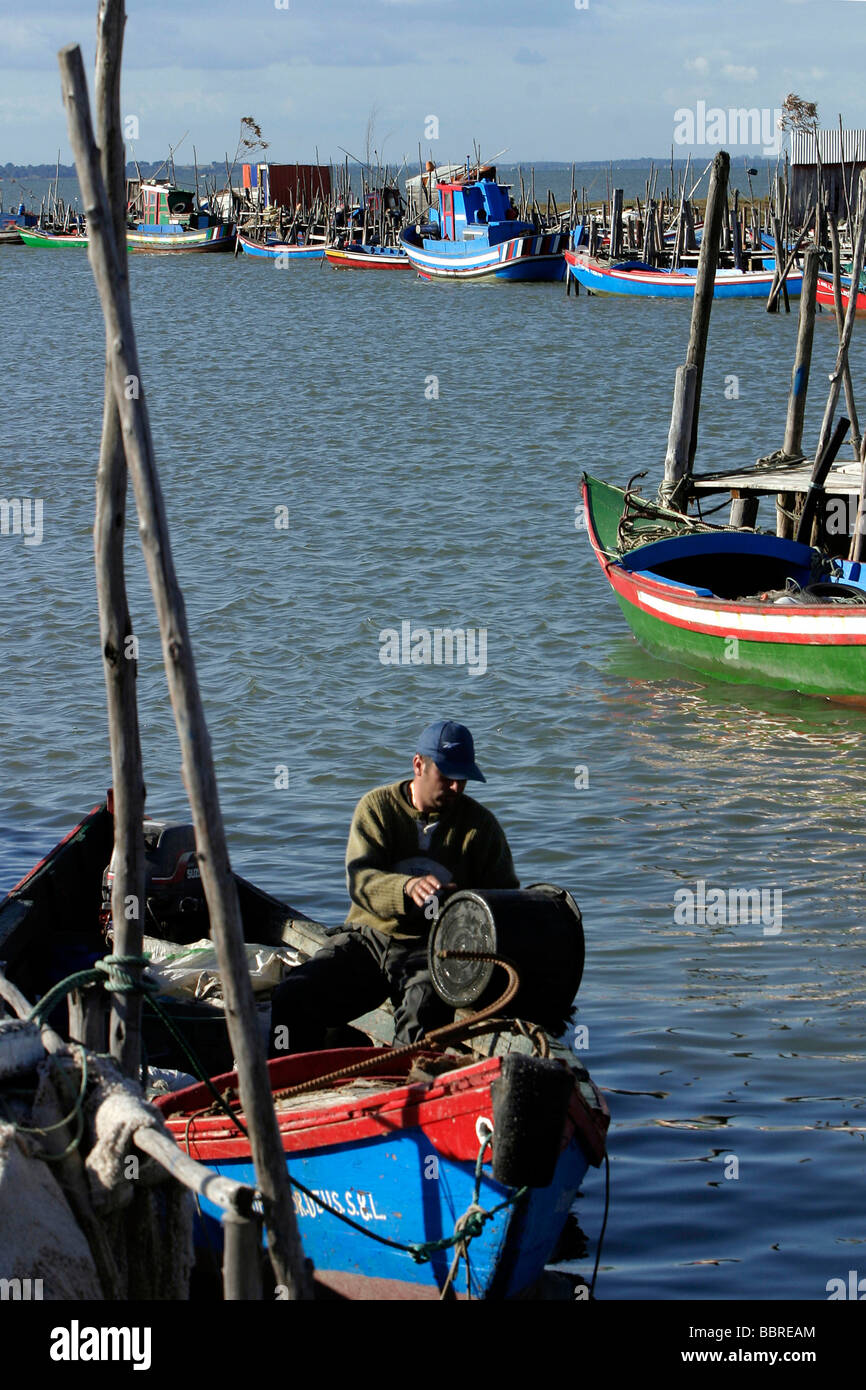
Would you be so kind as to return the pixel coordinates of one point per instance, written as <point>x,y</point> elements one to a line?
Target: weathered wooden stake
<point>705,285</point>
<point>679,438</point>
<point>117,640</point>
<point>197,761</point>
<point>793,445</point>
<point>616,225</point>
<point>856,441</point>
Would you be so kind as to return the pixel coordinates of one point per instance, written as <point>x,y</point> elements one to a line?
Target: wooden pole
<point>616,225</point>
<point>824,460</point>
<point>793,445</point>
<point>779,279</point>
<point>837,374</point>
<point>679,438</point>
<point>197,761</point>
<point>706,280</point>
<point>115,627</point>
<point>856,440</point>
<point>242,1248</point>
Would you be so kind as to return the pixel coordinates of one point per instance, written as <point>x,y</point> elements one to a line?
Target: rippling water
<point>311,389</point>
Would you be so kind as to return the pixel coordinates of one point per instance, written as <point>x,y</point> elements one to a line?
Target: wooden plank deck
<point>767,478</point>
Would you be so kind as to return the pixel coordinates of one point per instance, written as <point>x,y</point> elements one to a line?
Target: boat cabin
<point>477,210</point>
<point>161,206</point>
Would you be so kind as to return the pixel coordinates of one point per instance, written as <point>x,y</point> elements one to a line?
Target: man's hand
<point>420,890</point>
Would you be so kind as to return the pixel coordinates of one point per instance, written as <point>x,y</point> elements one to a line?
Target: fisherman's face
<point>431,789</point>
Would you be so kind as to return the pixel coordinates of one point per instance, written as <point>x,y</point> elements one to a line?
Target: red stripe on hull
<point>623,583</point>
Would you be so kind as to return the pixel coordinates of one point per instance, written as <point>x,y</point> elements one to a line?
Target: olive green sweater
<point>467,840</point>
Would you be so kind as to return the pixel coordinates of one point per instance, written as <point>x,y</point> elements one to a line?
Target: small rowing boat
<point>273,249</point>
<point>739,606</point>
<point>362,256</point>
<point>825,296</point>
<point>52,241</point>
<point>638,279</point>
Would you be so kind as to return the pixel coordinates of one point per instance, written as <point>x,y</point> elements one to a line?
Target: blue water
<point>451,503</point>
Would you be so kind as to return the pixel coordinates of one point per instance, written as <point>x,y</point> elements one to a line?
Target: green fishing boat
<point>53,241</point>
<point>735,605</point>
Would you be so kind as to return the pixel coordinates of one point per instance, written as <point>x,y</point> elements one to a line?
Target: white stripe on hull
<point>758,624</point>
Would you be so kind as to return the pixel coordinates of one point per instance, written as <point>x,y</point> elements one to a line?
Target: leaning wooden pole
<point>856,438</point>
<point>197,761</point>
<point>793,444</point>
<point>838,373</point>
<point>119,655</point>
<point>683,434</point>
<point>706,282</point>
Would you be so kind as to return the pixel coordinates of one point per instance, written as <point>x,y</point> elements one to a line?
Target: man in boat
<point>410,844</point>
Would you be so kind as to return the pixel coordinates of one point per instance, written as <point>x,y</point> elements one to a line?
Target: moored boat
<point>735,605</point>
<point>172,220</point>
<point>357,255</point>
<point>52,241</point>
<point>11,224</point>
<point>500,1129</point>
<point>825,295</point>
<point>638,279</point>
<point>272,249</point>
<point>475,234</point>
<point>390,1162</point>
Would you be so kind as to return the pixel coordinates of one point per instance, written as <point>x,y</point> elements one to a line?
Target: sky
<point>564,80</point>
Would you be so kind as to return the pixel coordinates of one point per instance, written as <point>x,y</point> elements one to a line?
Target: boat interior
<point>737,565</point>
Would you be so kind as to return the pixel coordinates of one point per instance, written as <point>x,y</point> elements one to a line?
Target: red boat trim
<point>449,1098</point>
<point>809,625</point>
<point>51,853</point>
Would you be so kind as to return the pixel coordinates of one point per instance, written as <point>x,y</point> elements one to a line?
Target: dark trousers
<point>353,974</point>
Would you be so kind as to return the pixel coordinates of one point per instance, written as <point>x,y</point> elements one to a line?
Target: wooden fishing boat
<point>52,241</point>
<point>738,606</point>
<point>403,1156</point>
<point>825,296</point>
<point>173,220</point>
<point>395,1145</point>
<point>273,248</point>
<point>214,235</point>
<point>475,234</point>
<point>54,922</point>
<point>362,256</point>
<point>637,278</point>
<point>11,224</point>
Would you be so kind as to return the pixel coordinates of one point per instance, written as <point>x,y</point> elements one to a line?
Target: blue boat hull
<point>399,1187</point>
<point>269,251</point>
<point>526,257</point>
<point>641,281</point>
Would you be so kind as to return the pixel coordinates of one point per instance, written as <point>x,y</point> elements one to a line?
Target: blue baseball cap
<point>452,750</point>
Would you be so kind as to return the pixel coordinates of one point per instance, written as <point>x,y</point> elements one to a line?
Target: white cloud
<point>739,73</point>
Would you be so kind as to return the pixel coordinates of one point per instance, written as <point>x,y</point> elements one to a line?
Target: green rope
<point>119,981</point>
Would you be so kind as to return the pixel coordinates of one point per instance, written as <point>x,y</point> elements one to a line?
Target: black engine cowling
<point>175,907</point>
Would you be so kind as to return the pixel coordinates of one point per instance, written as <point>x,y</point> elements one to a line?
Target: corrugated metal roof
<point>830,145</point>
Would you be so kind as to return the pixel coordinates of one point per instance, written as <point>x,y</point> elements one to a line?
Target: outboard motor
<point>175,903</point>
<point>538,929</point>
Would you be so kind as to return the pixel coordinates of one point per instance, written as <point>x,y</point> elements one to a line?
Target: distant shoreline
<point>217,167</point>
